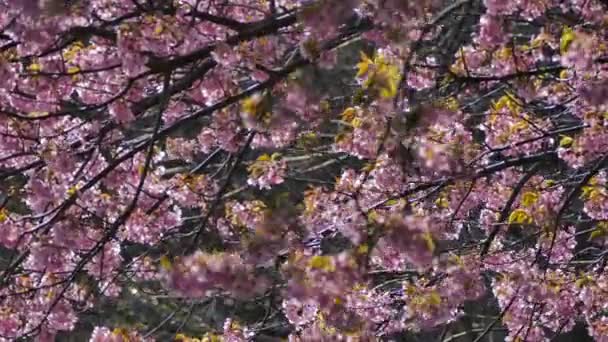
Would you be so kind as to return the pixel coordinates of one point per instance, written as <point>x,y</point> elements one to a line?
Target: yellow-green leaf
<point>264,157</point>
<point>363,249</point>
<point>430,242</point>
<point>3,215</point>
<point>583,281</point>
<point>34,68</point>
<point>529,198</point>
<point>434,299</point>
<point>567,38</point>
<point>596,234</point>
<point>321,262</point>
<point>363,66</point>
<point>590,192</point>
<point>392,202</point>
<point>566,142</point>
<point>442,202</point>
<point>165,262</point>
<point>519,216</point>
<point>72,190</point>
<point>348,114</point>
<point>73,70</point>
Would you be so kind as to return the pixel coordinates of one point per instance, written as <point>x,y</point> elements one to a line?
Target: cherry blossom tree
<point>323,170</point>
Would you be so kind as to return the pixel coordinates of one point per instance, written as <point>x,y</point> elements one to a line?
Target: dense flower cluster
<point>199,275</point>
<point>322,170</point>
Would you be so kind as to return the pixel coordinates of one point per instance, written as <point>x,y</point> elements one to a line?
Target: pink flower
<point>203,274</point>
<point>299,313</point>
<point>225,55</point>
<point>580,52</point>
<point>266,173</point>
<point>491,32</point>
<point>121,112</point>
<point>500,7</point>
<point>412,237</point>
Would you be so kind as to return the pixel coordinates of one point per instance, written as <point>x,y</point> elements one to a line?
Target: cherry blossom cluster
<point>323,170</point>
